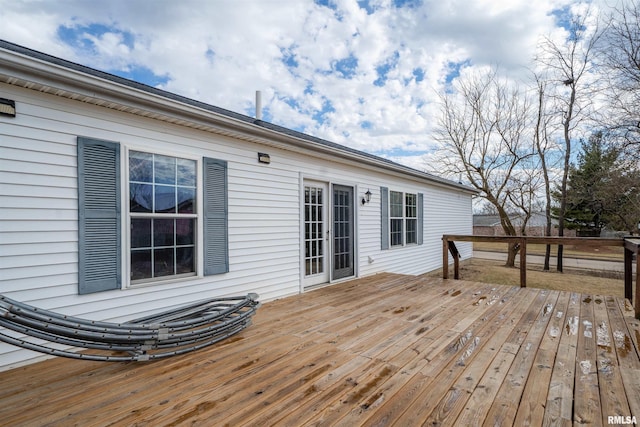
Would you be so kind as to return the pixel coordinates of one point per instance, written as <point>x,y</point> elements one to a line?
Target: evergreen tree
<point>603,190</point>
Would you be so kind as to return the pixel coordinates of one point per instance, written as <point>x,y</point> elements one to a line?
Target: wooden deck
<point>382,350</point>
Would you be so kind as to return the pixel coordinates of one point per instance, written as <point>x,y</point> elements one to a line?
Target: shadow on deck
<point>381,350</point>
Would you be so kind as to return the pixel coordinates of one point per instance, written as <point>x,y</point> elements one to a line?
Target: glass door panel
<point>315,233</point>
<point>343,232</point>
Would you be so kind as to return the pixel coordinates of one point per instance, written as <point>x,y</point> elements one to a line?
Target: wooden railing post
<point>637,302</point>
<point>450,246</point>
<point>445,258</point>
<point>523,262</point>
<point>631,247</point>
<point>628,273</point>
<point>456,259</point>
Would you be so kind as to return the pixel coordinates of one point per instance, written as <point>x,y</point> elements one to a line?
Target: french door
<point>343,232</point>
<point>316,233</point>
<point>328,240</point>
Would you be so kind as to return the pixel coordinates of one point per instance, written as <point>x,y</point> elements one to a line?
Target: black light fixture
<point>367,197</point>
<point>264,158</point>
<point>7,107</point>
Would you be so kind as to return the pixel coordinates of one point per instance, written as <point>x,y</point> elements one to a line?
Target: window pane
<point>395,204</point>
<point>395,197</point>
<point>163,262</point>
<point>185,231</point>
<point>165,199</point>
<point>140,264</point>
<point>185,262</point>
<point>412,235</point>
<point>165,170</point>
<point>187,172</point>
<point>186,200</point>
<point>410,202</point>
<point>163,232</point>
<point>141,233</point>
<point>140,197</point>
<point>140,166</point>
<point>396,232</point>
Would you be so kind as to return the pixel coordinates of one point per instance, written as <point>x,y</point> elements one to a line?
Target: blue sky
<point>360,73</point>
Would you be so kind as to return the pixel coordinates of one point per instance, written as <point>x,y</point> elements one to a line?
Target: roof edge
<point>149,95</point>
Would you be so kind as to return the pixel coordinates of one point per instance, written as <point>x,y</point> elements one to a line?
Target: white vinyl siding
<point>39,212</point>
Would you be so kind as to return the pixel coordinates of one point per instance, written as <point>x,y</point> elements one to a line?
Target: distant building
<point>489,225</point>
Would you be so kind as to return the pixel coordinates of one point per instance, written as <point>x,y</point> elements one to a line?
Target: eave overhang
<point>40,72</point>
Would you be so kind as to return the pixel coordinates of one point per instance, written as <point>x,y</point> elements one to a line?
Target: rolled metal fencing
<point>169,333</point>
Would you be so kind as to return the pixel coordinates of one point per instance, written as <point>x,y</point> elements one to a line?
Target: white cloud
<point>221,52</point>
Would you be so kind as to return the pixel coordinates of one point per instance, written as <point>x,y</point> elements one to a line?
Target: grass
<point>583,281</point>
<point>615,253</point>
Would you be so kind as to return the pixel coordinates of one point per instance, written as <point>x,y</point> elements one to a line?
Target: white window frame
<point>403,219</point>
<point>126,244</point>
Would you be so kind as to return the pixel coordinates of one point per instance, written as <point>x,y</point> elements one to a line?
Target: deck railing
<point>631,247</point>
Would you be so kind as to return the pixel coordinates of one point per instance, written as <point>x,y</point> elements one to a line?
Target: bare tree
<point>620,53</point>
<point>524,191</point>
<point>482,128</point>
<point>570,64</point>
<point>544,128</point>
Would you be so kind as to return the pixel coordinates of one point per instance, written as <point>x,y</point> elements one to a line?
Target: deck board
<point>382,350</point>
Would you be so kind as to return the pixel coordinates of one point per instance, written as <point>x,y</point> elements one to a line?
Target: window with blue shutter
<point>99,239</point>
<point>401,218</point>
<point>162,216</point>
<point>216,246</point>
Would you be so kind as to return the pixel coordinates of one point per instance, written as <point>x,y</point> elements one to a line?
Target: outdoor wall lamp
<point>264,158</point>
<point>7,107</point>
<point>366,198</point>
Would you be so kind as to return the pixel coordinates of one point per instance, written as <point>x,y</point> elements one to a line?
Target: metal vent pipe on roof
<point>258,105</point>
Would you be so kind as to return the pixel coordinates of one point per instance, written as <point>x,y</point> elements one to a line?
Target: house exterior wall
<point>39,212</point>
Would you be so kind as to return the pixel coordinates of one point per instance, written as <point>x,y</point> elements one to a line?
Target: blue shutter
<point>420,218</point>
<point>384,217</point>
<point>99,266</point>
<point>216,242</point>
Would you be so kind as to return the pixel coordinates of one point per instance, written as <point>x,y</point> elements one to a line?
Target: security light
<point>264,158</point>
<point>7,107</point>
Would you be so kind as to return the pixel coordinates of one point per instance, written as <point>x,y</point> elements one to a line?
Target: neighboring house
<point>118,199</point>
<point>489,225</point>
